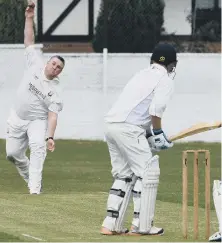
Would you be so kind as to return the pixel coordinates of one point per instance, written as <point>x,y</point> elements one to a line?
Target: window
<point>205,4</point>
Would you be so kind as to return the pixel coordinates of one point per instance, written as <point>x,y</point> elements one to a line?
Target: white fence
<point>92,82</point>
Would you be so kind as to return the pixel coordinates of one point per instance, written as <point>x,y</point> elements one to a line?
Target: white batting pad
<point>117,203</point>
<point>150,183</point>
<point>125,203</point>
<point>217,189</point>
<point>137,201</point>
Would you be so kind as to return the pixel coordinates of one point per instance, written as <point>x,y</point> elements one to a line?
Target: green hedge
<point>132,26</point>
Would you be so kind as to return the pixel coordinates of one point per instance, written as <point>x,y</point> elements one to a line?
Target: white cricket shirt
<point>146,94</point>
<point>36,95</point>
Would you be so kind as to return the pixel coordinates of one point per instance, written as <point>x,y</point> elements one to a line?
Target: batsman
<point>217,189</point>
<point>133,129</point>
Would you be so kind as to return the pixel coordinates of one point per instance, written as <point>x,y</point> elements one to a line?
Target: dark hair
<point>60,58</point>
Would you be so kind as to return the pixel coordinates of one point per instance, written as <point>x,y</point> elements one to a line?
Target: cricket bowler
<point>138,112</point>
<point>33,118</point>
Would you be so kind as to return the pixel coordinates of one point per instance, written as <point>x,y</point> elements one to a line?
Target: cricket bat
<point>195,129</point>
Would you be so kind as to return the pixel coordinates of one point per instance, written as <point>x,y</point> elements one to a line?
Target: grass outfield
<point>76,181</point>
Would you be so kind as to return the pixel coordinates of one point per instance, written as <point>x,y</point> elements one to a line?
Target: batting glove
<point>158,140</point>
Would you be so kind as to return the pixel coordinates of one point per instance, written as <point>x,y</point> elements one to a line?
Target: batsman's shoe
<point>105,231</point>
<point>216,237</point>
<point>134,230</point>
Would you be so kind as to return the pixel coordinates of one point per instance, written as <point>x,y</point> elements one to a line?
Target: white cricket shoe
<point>105,231</point>
<point>153,231</point>
<point>156,231</point>
<point>216,237</point>
<point>36,191</point>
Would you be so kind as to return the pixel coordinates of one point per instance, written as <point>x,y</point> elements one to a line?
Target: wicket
<point>195,192</point>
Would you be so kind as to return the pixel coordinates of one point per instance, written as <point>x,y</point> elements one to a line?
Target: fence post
<point>105,61</point>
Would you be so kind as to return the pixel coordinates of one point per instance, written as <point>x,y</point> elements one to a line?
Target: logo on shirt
<point>36,91</point>
<point>36,77</point>
<point>162,59</point>
<point>50,94</point>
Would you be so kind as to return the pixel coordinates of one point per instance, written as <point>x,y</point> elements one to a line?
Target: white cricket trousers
<point>22,134</point>
<point>129,149</point>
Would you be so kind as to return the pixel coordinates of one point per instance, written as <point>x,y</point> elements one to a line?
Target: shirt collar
<point>54,80</point>
<point>159,67</point>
